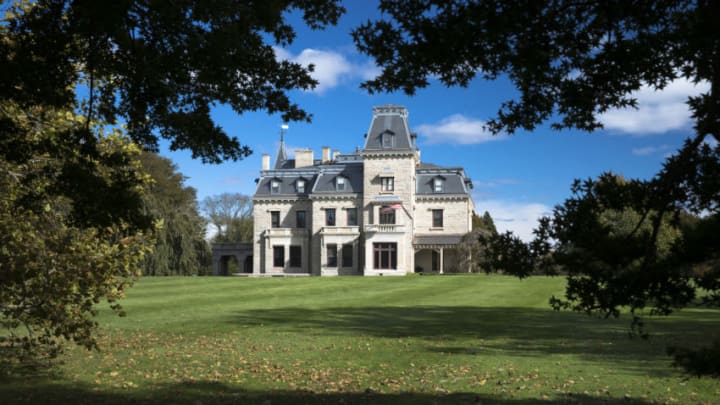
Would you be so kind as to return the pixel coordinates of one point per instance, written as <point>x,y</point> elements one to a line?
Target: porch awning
<point>432,241</point>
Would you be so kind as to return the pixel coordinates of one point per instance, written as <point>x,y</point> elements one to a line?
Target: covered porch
<point>438,254</point>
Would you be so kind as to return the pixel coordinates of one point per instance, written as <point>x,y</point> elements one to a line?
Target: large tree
<point>571,61</point>
<point>159,66</point>
<point>71,220</point>
<point>72,231</point>
<point>231,215</point>
<point>181,248</point>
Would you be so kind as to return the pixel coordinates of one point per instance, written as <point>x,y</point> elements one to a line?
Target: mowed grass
<point>415,339</point>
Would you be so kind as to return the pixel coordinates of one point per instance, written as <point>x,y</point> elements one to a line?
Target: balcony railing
<point>340,230</point>
<point>384,228</point>
<point>286,232</point>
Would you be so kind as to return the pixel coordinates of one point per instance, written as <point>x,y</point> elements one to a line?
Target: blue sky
<point>516,178</point>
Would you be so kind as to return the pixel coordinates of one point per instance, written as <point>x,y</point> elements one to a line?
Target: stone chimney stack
<point>335,154</point>
<point>304,158</point>
<point>325,154</point>
<point>266,162</point>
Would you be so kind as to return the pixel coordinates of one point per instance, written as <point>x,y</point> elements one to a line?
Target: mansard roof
<point>389,121</point>
<point>453,178</point>
<point>326,182</point>
<point>287,180</point>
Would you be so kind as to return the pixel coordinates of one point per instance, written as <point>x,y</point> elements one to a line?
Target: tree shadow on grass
<point>208,392</point>
<point>517,331</point>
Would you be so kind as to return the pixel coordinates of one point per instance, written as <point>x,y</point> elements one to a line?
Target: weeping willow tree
<point>181,248</point>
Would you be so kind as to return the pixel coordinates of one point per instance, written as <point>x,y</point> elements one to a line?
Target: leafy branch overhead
<point>569,60</point>
<point>635,243</point>
<point>159,67</point>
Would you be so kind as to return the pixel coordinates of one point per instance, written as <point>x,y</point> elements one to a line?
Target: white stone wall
<point>262,246</point>
<point>456,216</point>
<point>341,206</point>
<point>402,169</point>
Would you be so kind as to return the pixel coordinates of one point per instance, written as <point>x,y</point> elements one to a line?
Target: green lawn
<point>416,339</point>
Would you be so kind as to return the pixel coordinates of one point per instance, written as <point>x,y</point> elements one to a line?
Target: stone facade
<point>378,211</point>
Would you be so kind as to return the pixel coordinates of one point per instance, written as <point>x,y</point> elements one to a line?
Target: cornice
<point>279,198</point>
<point>441,197</point>
<point>334,197</point>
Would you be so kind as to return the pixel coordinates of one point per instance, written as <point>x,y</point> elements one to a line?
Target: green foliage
<point>485,222</point>
<point>613,254</point>
<point>231,215</point>
<point>159,66</point>
<point>621,242</point>
<point>568,59</point>
<point>72,222</point>
<point>181,248</point>
<point>59,254</point>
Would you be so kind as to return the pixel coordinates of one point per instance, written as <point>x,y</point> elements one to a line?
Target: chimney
<point>335,154</point>
<point>303,158</point>
<point>325,154</point>
<point>266,162</point>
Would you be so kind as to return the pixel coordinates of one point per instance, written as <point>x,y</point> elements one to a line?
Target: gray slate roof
<point>288,184</point>
<point>453,183</point>
<point>353,173</point>
<point>281,159</point>
<point>390,120</point>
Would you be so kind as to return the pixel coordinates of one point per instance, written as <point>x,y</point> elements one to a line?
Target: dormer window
<point>274,186</point>
<point>300,186</point>
<point>438,185</point>
<point>340,184</point>
<point>388,139</point>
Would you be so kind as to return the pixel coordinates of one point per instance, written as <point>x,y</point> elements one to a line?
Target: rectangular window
<point>295,256</point>
<point>387,215</point>
<point>437,218</point>
<point>300,219</point>
<point>275,219</point>
<point>279,256</point>
<point>340,184</point>
<point>330,216</point>
<point>274,186</point>
<point>438,185</point>
<point>347,255</point>
<point>387,184</point>
<point>300,186</point>
<point>332,255</point>
<point>385,256</point>
<point>352,216</point>
<point>387,140</point>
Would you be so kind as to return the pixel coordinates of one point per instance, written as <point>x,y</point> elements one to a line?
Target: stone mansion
<point>376,211</point>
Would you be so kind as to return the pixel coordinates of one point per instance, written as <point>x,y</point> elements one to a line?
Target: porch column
<point>442,265</point>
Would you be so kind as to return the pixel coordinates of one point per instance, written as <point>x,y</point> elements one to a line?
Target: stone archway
<point>242,252</point>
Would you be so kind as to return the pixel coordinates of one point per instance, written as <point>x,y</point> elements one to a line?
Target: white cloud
<point>331,68</point>
<point>658,111</point>
<point>520,218</point>
<point>457,129</point>
<point>649,150</point>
